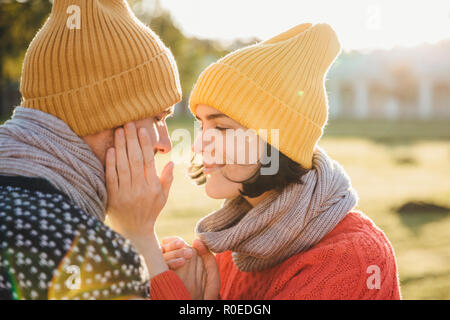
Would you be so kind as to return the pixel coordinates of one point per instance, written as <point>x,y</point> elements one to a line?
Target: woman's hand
<point>185,260</point>
<point>193,275</point>
<point>136,195</point>
<point>176,252</point>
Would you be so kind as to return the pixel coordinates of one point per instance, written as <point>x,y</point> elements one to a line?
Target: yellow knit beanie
<point>95,66</point>
<point>276,84</point>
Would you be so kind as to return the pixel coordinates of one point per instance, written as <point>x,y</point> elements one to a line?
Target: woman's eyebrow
<point>214,116</point>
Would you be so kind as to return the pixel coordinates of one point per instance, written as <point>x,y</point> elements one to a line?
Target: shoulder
<point>356,238</point>
<point>53,249</point>
<point>354,261</point>
<point>359,235</point>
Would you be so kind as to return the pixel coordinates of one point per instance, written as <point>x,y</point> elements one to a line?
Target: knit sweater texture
<point>354,261</point>
<point>51,249</point>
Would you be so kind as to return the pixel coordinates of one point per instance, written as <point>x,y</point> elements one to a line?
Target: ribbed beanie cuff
<point>131,95</point>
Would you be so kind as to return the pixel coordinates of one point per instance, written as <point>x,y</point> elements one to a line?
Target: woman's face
<point>229,150</point>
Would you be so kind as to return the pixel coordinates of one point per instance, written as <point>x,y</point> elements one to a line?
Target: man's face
<point>156,126</point>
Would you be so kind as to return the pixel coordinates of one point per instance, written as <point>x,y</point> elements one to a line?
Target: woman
<point>291,234</point>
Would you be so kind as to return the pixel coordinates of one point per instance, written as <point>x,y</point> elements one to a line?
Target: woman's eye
<point>218,128</point>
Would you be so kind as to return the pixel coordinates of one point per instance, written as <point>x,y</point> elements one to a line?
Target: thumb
<point>212,270</point>
<point>201,248</point>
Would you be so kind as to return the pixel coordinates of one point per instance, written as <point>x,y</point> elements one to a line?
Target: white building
<point>399,83</point>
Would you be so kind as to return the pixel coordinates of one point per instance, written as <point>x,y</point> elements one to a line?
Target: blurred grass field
<point>390,164</point>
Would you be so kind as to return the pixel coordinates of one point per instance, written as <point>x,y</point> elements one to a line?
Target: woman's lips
<point>210,168</point>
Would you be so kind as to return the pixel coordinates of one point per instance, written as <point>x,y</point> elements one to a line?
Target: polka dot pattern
<point>51,249</point>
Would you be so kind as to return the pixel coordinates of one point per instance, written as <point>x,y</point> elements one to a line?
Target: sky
<point>360,24</point>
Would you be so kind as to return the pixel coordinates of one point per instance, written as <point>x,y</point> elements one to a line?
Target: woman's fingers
<point>123,168</point>
<point>149,156</point>
<point>185,253</point>
<point>167,178</point>
<point>170,239</point>
<point>134,152</point>
<point>176,258</point>
<point>112,183</point>
<point>176,263</point>
<point>172,243</point>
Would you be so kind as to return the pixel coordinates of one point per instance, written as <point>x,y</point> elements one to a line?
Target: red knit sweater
<point>343,265</point>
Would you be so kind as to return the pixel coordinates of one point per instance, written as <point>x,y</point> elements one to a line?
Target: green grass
<point>389,164</point>
<point>390,132</point>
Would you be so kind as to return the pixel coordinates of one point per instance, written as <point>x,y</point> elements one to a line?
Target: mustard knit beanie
<point>95,66</point>
<point>276,84</point>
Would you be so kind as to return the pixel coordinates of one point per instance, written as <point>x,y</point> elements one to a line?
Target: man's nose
<point>163,143</point>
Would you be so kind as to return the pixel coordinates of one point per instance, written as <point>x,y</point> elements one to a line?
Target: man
<point>92,68</point>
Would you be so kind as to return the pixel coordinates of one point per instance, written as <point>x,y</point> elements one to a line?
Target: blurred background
<point>389,106</point>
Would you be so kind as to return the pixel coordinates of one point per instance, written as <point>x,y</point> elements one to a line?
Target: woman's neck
<point>255,201</point>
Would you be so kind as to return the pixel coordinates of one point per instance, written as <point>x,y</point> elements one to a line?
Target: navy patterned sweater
<point>52,249</point>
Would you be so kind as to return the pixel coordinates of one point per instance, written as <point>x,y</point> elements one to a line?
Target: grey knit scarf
<point>283,224</point>
<point>36,144</point>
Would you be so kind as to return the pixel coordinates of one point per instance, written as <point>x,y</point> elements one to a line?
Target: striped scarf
<point>283,224</point>
<point>36,144</point>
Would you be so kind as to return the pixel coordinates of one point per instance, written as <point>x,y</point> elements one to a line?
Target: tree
<point>19,21</point>
<point>192,55</point>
